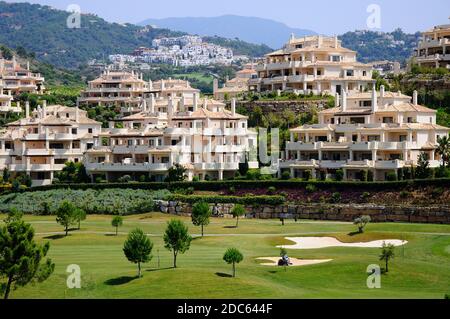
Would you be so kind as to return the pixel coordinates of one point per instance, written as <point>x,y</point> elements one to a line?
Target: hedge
<point>243,200</point>
<point>247,184</point>
<point>107,201</point>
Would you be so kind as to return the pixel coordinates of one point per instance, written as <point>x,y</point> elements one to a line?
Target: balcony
<point>216,166</point>
<point>133,167</point>
<point>38,152</point>
<point>298,164</point>
<point>332,164</point>
<point>394,164</point>
<point>229,148</point>
<point>40,167</point>
<point>299,146</point>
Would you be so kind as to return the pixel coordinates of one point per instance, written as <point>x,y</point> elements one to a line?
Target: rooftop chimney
<point>336,42</point>
<point>77,114</point>
<point>163,85</point>
<point>111,124</point>
<point>152,103</point>
<point>195,102</point>
<point>233,106</point>
<point>170,107</point>
<point>27,109</point>
<point>344,101</point>
<point>374,98</point>
<point>28,65</point>
<point>144,105</point>
<point>150,84</point>
<point>382,93</point>
<point>415,97</point>
<point>182,104</point>
<point>215,85</point>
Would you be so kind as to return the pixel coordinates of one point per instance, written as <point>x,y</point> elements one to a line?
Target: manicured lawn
<point>421,269</point>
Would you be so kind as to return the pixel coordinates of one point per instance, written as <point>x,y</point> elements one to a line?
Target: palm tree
<point>443,149</point>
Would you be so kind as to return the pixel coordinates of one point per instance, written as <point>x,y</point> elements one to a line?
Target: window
<point>364,73</point>
<point>130,142</point>
<point>388,120</point>
<point>88,146</point>
<point>74,131</point>
<point>349,72</point>
<point>373,138</point>
<point>60,161</point>
<point>410,120</point>
<point>365,103</point>
<point>151,143</point>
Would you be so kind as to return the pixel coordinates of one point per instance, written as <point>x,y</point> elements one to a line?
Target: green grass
<point>420,270</point>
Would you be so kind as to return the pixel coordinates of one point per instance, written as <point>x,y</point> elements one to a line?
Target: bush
<point>365,196</point>
<point>363,175</point>
<point>307,175</point>
<point>404,194</point>
<point>336,197</point>
<point>339,175</point>
<point>271,190</point>
<point>243,200</point>
<point>370,176</point>
<point>310,188</point>
<point>253,174</point>
<point>285,176</point>
<point>391,176</point>
<point>107,201</point>
<point>124,179</point>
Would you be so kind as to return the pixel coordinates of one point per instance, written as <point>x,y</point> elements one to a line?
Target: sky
<point>325,17</point>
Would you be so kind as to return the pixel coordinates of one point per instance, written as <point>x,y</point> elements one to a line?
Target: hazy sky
<point>326,16</point>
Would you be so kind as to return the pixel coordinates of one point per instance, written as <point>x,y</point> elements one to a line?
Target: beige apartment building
<point>41,143</point>
<point>316,64</point>
<point>374,131</point>
<point>434,49</point>
<point>16,79</point>
<point>6,102</point>
<point>235,87</point>
<point>198,133</point>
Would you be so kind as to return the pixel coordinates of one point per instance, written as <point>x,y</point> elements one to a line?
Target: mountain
<point>43,30</point>
<point>250,29</point>
<point>377,46</point>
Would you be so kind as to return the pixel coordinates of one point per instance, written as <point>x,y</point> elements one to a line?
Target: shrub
<point>307,175</point>
<point>124,179</point>
<point>336,197</point>
<point>310,188</point>
<point>361,222</point>
<point>365,196</point>
<point>102,201</point>
<point>370,176</point>
<point>285,176</point>
<point>232,190</point>
<point>339,175</point>
<point>243,200</point>
<point>253,174</point>
<point>271,190</point>
<point>391,176</point>
<point>363,175</point>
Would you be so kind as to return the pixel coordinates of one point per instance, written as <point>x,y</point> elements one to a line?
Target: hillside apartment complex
<point>434,49</point>
<point>16,79</point>
<point>237,86</point>
<point>41,143</point>
<point>164,123</point>
<point>315,64</point>
<point>374,131</point>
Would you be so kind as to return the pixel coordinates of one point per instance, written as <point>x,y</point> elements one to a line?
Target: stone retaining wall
<point>337,212</point>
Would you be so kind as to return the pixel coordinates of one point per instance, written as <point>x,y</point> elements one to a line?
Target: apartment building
<point>198,133</point>
<point>119,90</point>
<point>41,143</point>
<point>315,64</point>
<point>374,131</point>
<point>434,49</point>
<point>6,102</point>
<point>17,79</point>
<point>235,87</point>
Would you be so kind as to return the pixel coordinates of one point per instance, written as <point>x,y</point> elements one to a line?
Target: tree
<point>233,256</point>
<point>21,259</point>
<point>73,173</point>
<point>423,166</point>
<point>138,248</point>
<point>80,215</point>
<point>238,211</point>
<point>387,253</point>
<point>444,149</point>
<point>361,222</point>
<point>116,222</point>
<point>176,173</point>
<point>6,175</point>
<point>177,239</point>
<point>66,215</point>
<point>201,214</point>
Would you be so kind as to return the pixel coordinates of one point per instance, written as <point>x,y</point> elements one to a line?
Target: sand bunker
<point>324,242</point>
<point>294,261</point>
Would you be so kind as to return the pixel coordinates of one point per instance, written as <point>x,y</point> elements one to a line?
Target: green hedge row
<point>264,184</point>
<point>244,200</point>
